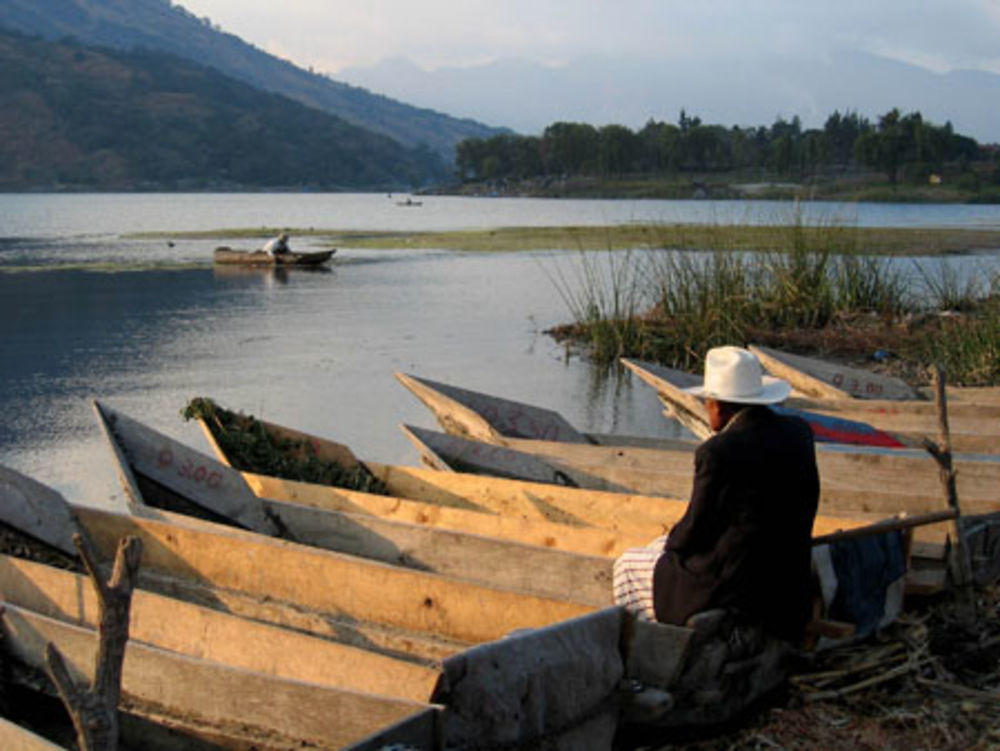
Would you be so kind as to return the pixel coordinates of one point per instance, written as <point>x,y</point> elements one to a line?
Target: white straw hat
<point>733,374</point>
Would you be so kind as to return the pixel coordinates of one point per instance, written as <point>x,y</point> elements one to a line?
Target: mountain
<point>73,116</point>
<point>629,91</point>
<point>161,25</point>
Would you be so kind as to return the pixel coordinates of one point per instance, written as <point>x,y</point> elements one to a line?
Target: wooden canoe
<point>535,510</point>
<point>487,560</point>
<point>336,596</point>
<point>855,479</point>
<point>817,379</point>
<point>557,662</point>
<point>215,686</point>
<point>892,427</point>
<point>228,256</point>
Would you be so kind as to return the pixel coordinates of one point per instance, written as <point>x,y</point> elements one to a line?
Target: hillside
<point>75,117</point>
<point>160,25</point>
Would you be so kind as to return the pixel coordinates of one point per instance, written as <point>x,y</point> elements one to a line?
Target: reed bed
<point>670,305</point>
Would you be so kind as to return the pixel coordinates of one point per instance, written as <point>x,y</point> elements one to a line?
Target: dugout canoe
<point>228,257</point>
<point>887,429</point>
<point>229,679</point>
<point>141,451</point>
<point>548,647</point>
<point>854,478</point>
<point>538,508</point>
<point>818,379</point>
<point>132,442</point>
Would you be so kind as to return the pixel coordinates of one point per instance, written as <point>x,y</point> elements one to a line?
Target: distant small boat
<point>409,202</point>
<point>226,255</point>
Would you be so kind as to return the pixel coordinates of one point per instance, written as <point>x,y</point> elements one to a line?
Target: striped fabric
<point>633,578</point>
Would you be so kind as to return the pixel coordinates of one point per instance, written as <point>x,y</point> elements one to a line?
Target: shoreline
<point>692,237</point>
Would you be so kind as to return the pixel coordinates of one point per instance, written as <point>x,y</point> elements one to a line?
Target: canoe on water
<point>260,258</point>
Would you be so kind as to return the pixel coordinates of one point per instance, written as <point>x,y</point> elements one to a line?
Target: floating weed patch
<point>251,447</point>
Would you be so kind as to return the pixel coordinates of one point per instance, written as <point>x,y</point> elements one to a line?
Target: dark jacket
<point>744,542</point>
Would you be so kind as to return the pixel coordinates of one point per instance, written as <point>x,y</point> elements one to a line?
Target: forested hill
<point>162,25</point>
<point>76,117</point>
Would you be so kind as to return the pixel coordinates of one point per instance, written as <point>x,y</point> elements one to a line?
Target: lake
<point>313,350</point>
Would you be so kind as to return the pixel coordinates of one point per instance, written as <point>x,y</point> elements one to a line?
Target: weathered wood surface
<point>228,256</point>
<point>304,576</point>
<point>975,434</point>
<point>586,540</point>
<point>554,687</point>
<point>898,475</point>
<point>657,473</point>
<point>492,561</point>
<point>823,380</point>
<point>484,417</point>
<point>201,694</point>
<point>15,738</point>
<point>203,633</point>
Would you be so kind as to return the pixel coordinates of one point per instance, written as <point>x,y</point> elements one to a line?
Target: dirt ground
<point>931,681</point>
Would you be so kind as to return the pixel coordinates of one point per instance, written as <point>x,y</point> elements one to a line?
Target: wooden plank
<point>484,417</point>
<point>301,575</point>
<point>200,693</point>
<point>491,561</point>
<point>586,540</point>
<point>37,510</point>
<point>660,473</point>
<point>543,684</point>
<point>911,473</point>
<point>203,633</point>
<point>186,471</point>
<point>15,738</point>
<point>823,380</point>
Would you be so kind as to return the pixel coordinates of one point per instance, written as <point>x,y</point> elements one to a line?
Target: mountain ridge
<point>164,26</point>
<point>85,118</point>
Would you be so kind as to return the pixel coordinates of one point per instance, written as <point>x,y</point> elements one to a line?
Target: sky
<point>333,35</point>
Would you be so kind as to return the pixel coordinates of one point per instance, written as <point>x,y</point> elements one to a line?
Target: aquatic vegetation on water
<point>251,447</point>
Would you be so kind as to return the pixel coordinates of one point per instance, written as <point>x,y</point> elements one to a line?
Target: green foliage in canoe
<point>250,447</point>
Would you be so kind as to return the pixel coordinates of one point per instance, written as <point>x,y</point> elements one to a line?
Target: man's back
<point>744,541</point>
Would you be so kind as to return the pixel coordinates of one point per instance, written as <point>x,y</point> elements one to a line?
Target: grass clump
<point>801,282</point>
<point>251,447</point>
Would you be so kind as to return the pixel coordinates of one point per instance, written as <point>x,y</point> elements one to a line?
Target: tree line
<point>899,145</point>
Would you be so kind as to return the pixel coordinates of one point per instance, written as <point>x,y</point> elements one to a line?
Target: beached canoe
<point>859,422</point>
<point>140,450</point>
<point>528,494</point>
<point>228,256</point>
<point>817,379</point>
<point>854,478</point>
<point>557,647</point>
<point>134,440</point>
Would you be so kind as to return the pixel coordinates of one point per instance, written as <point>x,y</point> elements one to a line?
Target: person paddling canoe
<point>277,246</point>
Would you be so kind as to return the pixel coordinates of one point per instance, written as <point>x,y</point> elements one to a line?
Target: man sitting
<point>743,544</point>
<point>277,246</point>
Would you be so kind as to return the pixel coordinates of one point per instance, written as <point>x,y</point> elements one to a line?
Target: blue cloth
<point>865,567</point>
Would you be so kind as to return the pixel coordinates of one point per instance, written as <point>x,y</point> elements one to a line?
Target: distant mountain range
<point>601,90</point>
<point>160,25</point>
<point>78,117</point>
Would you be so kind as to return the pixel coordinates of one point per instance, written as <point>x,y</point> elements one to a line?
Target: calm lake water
<point>313,350</point>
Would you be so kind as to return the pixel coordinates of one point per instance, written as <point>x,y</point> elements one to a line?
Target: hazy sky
<point>330,35</point>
